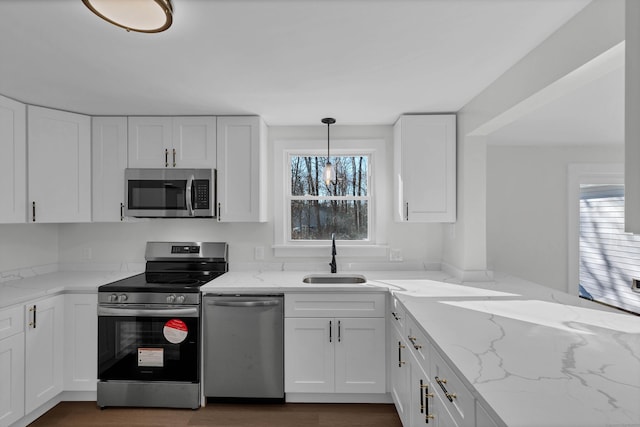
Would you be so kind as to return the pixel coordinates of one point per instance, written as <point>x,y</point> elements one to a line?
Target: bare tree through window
<point>319,209</point>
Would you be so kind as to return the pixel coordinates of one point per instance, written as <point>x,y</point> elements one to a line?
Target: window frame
<point>379,196</point>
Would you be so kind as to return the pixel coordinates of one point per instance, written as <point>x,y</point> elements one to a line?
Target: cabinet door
<point>59,157</point>
<point>194,142</point>
<point>360,355</point>
<point>43,351</point>
<point>425,168</point>
<point>11,379</point>
<point>399,372</point>
<point>109,160</point>
<point>81,344</point>
<point>241,160</point>
<point>309,355</point>
<point>150,142</point>
<point>13,161</point>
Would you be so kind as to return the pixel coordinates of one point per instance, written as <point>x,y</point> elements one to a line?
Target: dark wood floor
<point>87,414</point>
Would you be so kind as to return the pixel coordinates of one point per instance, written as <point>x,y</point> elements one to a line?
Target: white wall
<point>125,242</point>
<point>527,208</point>
<point>27,245</point>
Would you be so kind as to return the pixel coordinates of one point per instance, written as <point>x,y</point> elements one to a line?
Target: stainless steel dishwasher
<point>243,347</point>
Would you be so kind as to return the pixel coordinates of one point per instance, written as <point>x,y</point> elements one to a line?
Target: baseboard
<point>338,398</point>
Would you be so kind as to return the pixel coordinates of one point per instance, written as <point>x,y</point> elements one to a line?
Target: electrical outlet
<point>86,253</point>
<point>258,253</point>
<point>395,255</point>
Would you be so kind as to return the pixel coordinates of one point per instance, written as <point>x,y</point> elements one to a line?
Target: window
<point>608,255</point>
<point>317,209</point>
<point>602,256</point>
<point>307,211</point>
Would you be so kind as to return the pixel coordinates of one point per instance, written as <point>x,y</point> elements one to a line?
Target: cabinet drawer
<point>396,315</point>
<point>459,402</point>
<point>11,322</point>
<point>334,305</point>
<point>418,344</point>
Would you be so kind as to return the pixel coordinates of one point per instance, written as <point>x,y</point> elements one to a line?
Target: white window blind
<point>609,257</point>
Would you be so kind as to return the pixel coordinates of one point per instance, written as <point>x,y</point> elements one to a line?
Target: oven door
<point>138,343</point>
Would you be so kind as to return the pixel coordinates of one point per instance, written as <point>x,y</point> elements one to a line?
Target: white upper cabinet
<point>242,179</point>
<point>59,158</point>
<point>172,142</point>
<point>13,161</point>
<point>109,160</point>
<point>425,168</point>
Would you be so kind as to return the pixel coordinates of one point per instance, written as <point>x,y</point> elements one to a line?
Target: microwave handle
<point>189,195</point>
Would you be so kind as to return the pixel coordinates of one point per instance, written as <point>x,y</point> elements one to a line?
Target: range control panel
<point>185,249</point>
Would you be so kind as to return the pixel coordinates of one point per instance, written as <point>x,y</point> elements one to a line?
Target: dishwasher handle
<point>265,303</point>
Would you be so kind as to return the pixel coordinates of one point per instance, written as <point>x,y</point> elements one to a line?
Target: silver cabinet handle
<point>407,211</point>
<point>33,210</point>
<point>174,157</point>
<point>219,209</point>
<point>166,157</point>
<point>339,332</point>
<point>121,211</point>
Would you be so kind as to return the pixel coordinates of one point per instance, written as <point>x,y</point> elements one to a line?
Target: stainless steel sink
<point>334,278</point>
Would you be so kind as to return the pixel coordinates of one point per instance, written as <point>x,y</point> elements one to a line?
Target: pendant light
<point>329,173</point>
<point>143,16</point>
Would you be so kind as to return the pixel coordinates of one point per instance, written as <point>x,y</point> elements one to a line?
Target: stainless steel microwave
<point>169,193</point>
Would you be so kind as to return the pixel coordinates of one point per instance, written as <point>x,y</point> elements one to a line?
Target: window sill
<point>350,251</point>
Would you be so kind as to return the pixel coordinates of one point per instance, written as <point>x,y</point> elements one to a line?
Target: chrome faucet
<point>334,267</point>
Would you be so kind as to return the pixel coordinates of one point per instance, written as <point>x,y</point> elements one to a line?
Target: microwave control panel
<point>201,194</point>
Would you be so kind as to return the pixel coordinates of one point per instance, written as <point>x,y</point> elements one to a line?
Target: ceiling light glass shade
<point>329,174</point>
<point>144,16</point>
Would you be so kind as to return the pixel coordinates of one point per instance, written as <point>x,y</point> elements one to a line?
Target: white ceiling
<point>290,61</point>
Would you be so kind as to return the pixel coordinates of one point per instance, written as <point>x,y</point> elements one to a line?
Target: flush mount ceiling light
<point>329,173</point>
<point>143,16</point>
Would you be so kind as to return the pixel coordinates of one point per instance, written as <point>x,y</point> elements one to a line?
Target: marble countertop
<point>29,288</point>
<point>537,357</point>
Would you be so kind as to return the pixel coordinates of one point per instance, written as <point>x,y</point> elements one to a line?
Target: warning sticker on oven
<point>175,331</point>
<point>150,357</point>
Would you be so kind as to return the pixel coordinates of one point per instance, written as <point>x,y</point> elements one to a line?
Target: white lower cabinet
<point>424,388</point>
<point>11,365</point>
<point>483,419</point>
<point>426,407</point>
<point>399,374</point>
<point>43,350</point>
<point>327,354</point>
<point>80,342</point>
<point>334,355</point>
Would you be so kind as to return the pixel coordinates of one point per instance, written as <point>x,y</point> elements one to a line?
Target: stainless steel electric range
<point>149,327</point>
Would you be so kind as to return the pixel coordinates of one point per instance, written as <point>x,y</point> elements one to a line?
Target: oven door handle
<point>267,303</point>
<point>149,312</point>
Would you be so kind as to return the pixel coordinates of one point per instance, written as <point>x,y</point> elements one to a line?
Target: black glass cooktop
<point>141,283</point>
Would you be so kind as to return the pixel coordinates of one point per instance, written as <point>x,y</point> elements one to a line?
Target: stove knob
<point>180,299</point>
<point>113,298</point>
<point>122,297</point>
<point>171,298</point>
